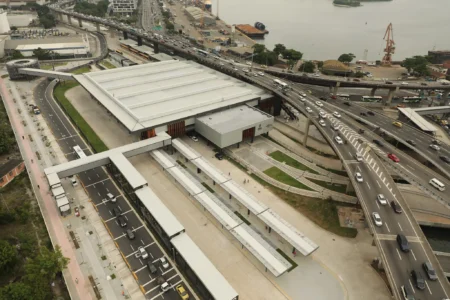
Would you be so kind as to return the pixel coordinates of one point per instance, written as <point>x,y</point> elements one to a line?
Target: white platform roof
<point>184,149</point>
<point>53,179</point>
<point>211,278</point>
<point>146,96</point>
<point>185,179</point>
<point>163,159</point>
<point>417,119</point>
<point>133,177</point>
<point>288,232</point>
<point>264,252</point>
<point>244,197</point>
<point>168,222</point>
<point>210,170</point>
<point>216,208</point>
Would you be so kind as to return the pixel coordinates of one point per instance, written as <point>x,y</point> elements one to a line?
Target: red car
<point>393,157</point>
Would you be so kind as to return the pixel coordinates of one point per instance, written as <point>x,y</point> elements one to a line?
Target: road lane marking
<point>376,202</point>
<point>140,269</point>
<point>378,184</point>
<point>412,287</point>
<point>377,170</point>
<point>399,256</point>
<point>385,223</point>
<point>426,283</point>
<point>400,226</point>
<point>412,252</point>
<point>368,185</point>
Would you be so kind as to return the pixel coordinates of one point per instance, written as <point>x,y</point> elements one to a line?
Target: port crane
<point>390,46</point>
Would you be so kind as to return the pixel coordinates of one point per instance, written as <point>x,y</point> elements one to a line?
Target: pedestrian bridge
<point>46,73</point>
<point>432,110</point>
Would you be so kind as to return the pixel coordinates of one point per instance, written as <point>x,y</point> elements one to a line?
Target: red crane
<point>390,46</point>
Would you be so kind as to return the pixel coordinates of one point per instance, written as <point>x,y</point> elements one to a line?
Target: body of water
<point>322,30</point>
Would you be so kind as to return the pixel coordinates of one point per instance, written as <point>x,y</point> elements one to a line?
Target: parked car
<point>111,197</point>
<point>396,207</point>
<point>382,199</point>
<point>151,267</point>
<point>418,279</point>
<point>164,262</point>
<point>219,155</point>
<point>142,252</point>
<point>121,220</point>
<point>116,211</point>
<point>393,157</point>
<point>194,138</point>
<point>182,292</point>
<point>377,219</point>
<point>429,270</point>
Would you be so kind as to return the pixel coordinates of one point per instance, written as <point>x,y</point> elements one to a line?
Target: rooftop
<point>417,119</point>
<point>246,28</point>
<point>8,166</point>
<point>150,95</point>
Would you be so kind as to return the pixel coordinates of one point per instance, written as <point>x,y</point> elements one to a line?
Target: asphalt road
<point>98,183</point>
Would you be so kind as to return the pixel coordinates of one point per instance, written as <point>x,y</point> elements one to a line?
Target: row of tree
<point>264,56</point>
<point>46,19</point>
<point>99,9</point>
<point>7,140</point>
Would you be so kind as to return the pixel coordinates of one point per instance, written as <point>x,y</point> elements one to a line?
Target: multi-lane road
<point>97,184</point>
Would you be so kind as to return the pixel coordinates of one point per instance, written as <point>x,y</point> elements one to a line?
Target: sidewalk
<point>80,290</point>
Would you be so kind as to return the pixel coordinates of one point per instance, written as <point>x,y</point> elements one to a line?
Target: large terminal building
<point>181,96</point>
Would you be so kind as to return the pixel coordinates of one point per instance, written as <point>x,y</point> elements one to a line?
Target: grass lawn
<point>282,177</point>
<point>281,157</point>
<point>108,64</point>
<point>50,66</point>
<point>340,188</point>
<point>321,212</point>
<point>75,116</point>
<point>82,70</point>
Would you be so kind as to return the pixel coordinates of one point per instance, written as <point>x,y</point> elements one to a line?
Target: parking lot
<point>98,184</point>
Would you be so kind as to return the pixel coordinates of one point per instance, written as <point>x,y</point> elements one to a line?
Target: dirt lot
<point>391,73</point>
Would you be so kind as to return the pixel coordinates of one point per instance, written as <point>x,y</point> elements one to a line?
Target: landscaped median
<point>281,157</point>
<point>282,177</point>
<point>88,133</point>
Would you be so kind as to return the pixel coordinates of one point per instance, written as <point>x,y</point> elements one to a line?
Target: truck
<point>35,109</point>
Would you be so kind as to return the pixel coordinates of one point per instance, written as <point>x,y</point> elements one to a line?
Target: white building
<point>4,23</point>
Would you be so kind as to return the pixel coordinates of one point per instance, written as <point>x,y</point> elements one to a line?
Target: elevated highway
<point>376,178</point>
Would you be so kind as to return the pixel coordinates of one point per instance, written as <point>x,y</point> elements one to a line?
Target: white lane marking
<point>410,167</point>
<point>377,170</point>
<point>412,252</point>
<point>426,283</point>
<point>387,226</point>
<point>401,229</point>
<point>384,179</point>
<point>368,185</point>
<point>411,286</point>
<point>378,184</point>
<point>399,256</point>
<point>376,202</point>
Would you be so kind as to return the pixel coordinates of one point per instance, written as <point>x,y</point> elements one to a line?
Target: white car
<point>322,123</point>
<point>377,219</point>
<point>336,114</point>
<point>316,75</point>
<point>164,262</point>
<point>302,94</point>
<point>335,127</point>
<point>339,140</point>
<point>382,199</point>
<point>322,114</point>
<point>143,253</point>
<point>404,83</point>
<point>359,157</point>
<point>111,197</point>
<point>194,138</point>
<point>260,73</point>
<point>359,177</point>
<point>302,99</point>
<point>308,109</point>
<point>319,104</point>
<point>435,147</point>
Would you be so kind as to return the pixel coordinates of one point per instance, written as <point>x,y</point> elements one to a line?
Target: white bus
<point>344,96</point>
<point>411,99</point>
<point>79,152</point>
<point>371,98</point>
<point>202,52</point>
<point>280,83</point>
<point>437,184</point>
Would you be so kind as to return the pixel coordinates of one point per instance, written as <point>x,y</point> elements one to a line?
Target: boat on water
<point>347,3</point>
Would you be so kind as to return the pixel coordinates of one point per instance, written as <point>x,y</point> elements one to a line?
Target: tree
<point>292,56</point>
<point>17,291</point>
<point>259,48</point>
<point>359,74</point>
<point>346,57</point>
<point>8,256</point>
<point>279,49</point>
<point>417,64</point>
<point>17,54</point>
<point>7,140</point>
<point>13,27</point>
<point>46,264</point>
<point>307,67</point>
<point>320,64</point>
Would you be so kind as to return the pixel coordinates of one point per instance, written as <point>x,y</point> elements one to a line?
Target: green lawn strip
<point>281,157</point>
<point>208,188</point>
<point>293,263</point>
<point>81,70</point>
<point>338,172</point>
<point>93,139</point>
<point>107,64</point>
<point>242,218</point>
<point>49,66</point>
<point>321,212</point>
<point>282,177</point>
<point>340,188</point>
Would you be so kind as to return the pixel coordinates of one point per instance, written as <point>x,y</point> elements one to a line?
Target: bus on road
<point>371,98</point>
<point>280,83</point>
<point>411,99</point>
<point>79,152</point>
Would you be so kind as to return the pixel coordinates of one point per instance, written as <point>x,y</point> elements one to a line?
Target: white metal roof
<point>58,191</point>
<point>64,208</point>
<point>163,159</point>
<point>184,149</point>
<point>168,222</point>
<point>417,119</point>
<point>264,252</point>
<point>53,179</point>
<point>216,208</point>
<point>133,177</point>
<point>62,201</point>
<point>244,197</point>
<point>186,180</point>
<point>148,95</point>
<point>234,118</point>
<point>288,232</point>
<point>211,278</point>
<point>214,173</point>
